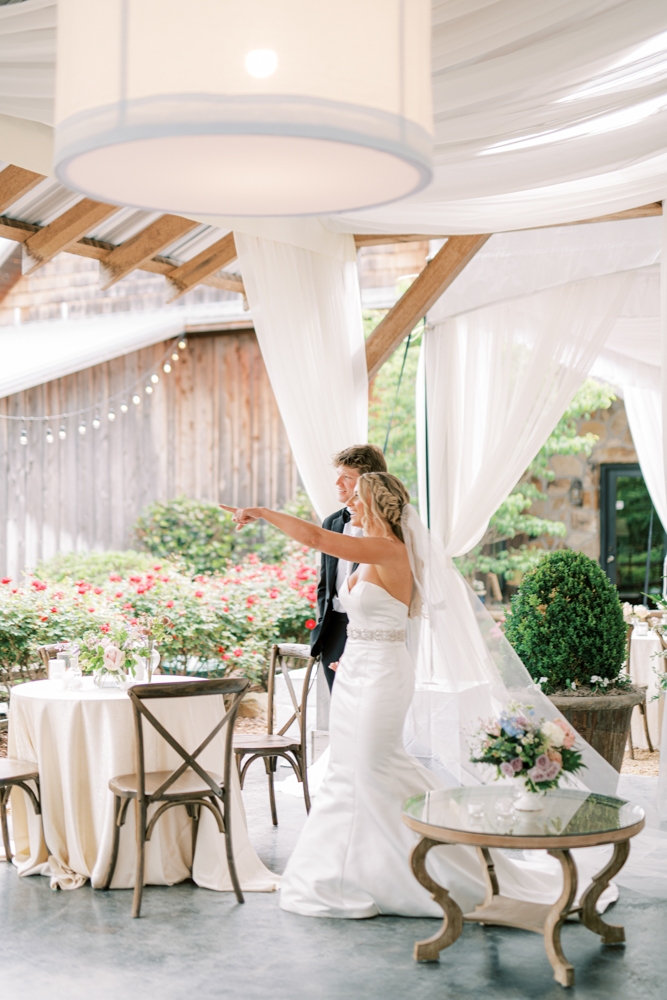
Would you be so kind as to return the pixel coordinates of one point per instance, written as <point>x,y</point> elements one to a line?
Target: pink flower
<point>169,604</point>
<point>115,577</point>
<point>250,618</point>
<point>119,594</point>
<point>311,623</point>
<point>570,735</point>
<point>517,764</point>
<point>507,769</point>
<point>98,590</point>
<point>7,579</point>
<point>114,658</point>
<point>238,652</point>
<point>199,593</point>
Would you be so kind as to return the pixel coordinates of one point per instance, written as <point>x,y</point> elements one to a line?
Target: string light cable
<point>148,379</point>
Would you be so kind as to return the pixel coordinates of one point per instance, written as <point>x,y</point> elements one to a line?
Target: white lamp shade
<point>262,107</point>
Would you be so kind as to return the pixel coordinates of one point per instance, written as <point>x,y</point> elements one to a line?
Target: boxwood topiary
<point>566,622</point>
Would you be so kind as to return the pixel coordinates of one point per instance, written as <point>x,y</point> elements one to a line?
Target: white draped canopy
<point>546,112</point>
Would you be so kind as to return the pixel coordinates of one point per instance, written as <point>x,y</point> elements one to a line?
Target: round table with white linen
<point>642,662</point>
<point>82,738</point>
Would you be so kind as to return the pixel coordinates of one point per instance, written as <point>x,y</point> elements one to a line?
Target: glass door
<point>631,535</point>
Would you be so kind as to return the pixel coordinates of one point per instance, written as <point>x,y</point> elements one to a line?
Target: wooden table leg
<point>429,950</point>
<point>610,933</point>
<point>563,971</point>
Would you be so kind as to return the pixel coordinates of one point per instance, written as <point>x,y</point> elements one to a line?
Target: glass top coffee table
<point>485,817</point>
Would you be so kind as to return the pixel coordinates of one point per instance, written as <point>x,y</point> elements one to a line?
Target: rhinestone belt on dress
<point>377,634</point>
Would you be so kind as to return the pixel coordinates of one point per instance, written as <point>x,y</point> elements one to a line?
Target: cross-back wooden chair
<point>642,705</point>
<point>187,785</point>
<point>16,774</point>
<point>271,746</point>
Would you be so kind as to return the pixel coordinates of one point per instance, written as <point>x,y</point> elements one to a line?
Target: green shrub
<point>95,567</point>
<point>566,622</point>
<point>203,538</point>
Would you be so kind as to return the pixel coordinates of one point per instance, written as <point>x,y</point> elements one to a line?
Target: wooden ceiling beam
<point>21,232</point>
<point>424,292</point>
<point>379,240</point>
<point>15,182</point>
<point>139,249</point>
<point>206,263</point>
<point>67,229</point>
<point>641,212</point>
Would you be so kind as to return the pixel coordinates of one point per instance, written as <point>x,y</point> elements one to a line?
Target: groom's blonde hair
<point>383,497</point>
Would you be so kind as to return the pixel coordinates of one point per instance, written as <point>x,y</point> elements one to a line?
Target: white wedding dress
<point>352,858</point>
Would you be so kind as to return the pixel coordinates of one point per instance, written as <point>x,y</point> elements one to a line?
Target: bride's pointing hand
<point>242,515</point>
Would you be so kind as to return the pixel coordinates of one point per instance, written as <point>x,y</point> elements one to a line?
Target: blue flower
<point>510,725</point>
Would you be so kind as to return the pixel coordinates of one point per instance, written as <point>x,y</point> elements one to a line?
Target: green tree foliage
<point>512,517</point>
<point>566,622</point>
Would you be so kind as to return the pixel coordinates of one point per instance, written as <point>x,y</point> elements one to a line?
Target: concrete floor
<point>193,942</point>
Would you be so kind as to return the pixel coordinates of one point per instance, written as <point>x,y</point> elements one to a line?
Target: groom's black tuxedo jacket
<point>326,589</point>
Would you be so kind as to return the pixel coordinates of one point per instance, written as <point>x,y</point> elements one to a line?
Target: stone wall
<point>583,523</point>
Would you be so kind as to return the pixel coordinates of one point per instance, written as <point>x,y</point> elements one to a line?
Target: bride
<point>352,858</point>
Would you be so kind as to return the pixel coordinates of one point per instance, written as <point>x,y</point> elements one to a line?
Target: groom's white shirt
<point>344,567</point>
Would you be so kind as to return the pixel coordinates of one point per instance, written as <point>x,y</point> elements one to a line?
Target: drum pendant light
<point>263,107</point>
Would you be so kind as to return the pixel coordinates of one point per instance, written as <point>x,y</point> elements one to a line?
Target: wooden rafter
<point>67,229</point>
<point>207,262</point>
<point>425,290</point>
<point>140,248</point>
<point>15,182</point>
<point>20,232</point>
<point>379,239</point>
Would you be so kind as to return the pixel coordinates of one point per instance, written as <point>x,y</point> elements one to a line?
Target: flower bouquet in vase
<point>116,654</point>
<point>533,752</point>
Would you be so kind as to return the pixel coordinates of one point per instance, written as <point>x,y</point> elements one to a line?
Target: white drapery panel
<point>494,383</point>
<point>497,380</point>
<point>644,410</point>
<point>306,308</point>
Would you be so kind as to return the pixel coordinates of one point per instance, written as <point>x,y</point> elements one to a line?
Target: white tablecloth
<point>81,739</point>
<point>642,662</point>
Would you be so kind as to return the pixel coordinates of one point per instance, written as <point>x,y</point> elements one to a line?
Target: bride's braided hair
<point>383,497</point>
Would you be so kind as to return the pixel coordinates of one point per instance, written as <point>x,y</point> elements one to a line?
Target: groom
<point>329,635</point>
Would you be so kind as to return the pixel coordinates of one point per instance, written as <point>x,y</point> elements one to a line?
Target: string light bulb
<point>49,436</point>
<point>155,379</point>
<point>82,428</point>
<point>136,399</point>
<point>123,407</point>
<point>96,422</point>
<point>166,367</point>
<point>149,389</point>
<point>24,437</point>
<point>111,416</point>
<point>182,344</point>
<point>174,356</point>
<point>62,433</point>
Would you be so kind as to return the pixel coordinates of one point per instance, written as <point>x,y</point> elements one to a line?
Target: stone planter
<point>602,719</point>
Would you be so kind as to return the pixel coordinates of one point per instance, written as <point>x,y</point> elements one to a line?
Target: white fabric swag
<point>306,308</point>
<point>497,380</point>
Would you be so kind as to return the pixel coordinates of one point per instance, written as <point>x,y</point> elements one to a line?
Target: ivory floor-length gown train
<point>352,858</point>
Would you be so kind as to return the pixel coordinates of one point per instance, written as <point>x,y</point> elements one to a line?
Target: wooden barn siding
<point>210,430</point>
